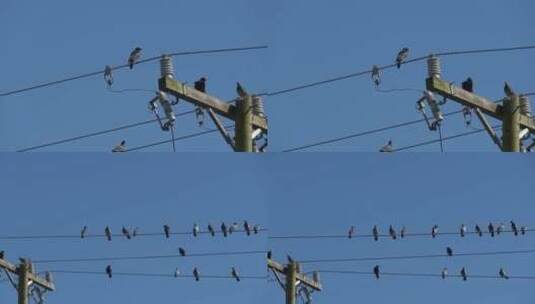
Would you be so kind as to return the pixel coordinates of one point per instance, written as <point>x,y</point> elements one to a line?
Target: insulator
<point>433,66</point>
<point>166,66</point>
<point>525,106</point>
<point>258,106</point>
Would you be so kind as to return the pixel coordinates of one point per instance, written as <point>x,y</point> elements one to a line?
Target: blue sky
<point>309,41</point>
<point>60,193</point>
<point>310,196</point>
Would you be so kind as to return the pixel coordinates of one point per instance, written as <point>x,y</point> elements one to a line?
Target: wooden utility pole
<point>242,113</point>
<point>293,279</point>
<point>509,113</point>
<point>26,278</point>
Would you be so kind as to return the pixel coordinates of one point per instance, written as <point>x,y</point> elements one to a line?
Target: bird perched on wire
<point>200,85</point>
<point>108,77</point>
<point>468,85</point>
<point>126,233</point>
<point>523,230</point>
<point>196,230</point>
<point>375,233</point>
<point>508,90</point>
<point>351,232</point>
<point>514,228</point>
<point>376,75</point>
<point>234,274</point>
<point>463,230</point>
<point>83,232</point>
<point>463,274</point>
<point>449,251</point>
<point>503,275</point>
<point>196,274</point>
<point>388,148</point>
<point>444,273</point>
<point>121,147</point>
<point>402,232</point>
<point>224,229</point>
<point>402,56</point>
<point>434,231</point>
<point>109,271</point>
<point>247,227</point>
<point>182,251</point>
<point>240,90</point>
<point>166,230</point>
<point>256,229</point>
<point>392,232</point>
<point>211,230</point>
<point>376,271</point>
<point>177,272</point>
<point>107,231</point>
<point>491,229</point>
<point>479,231</point>
<point>269,254</point>
<point>134,57</point>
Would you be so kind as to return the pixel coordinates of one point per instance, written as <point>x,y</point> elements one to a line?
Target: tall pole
<point>23,282</point>
<point>291,280</point>
<point>244,125</point>
<point>511,127</point>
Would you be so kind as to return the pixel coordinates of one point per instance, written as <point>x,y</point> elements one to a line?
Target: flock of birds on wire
<point>196,274</point>
<point>444,273</point>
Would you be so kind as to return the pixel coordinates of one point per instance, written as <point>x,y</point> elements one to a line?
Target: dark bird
<point>503,275</point>
<point>269,254</point>
<point>463,274</point>
<point>235,275</point>
<point>449,251</point>
<point>479,231</point>
<point>2,254</point>
<point>107,231</point>
<point>376,76</point>
<point>256,229</point>
<point>491,229</point>
<point>126,233</point>
<point>108,77</point>
<point>83,232</point>
<point>434,231</point>
<point>166,231</point>
<point>514,228</point>
<point>200,85</point>
<point>376,271</point>
<point>388,148</point>
<point>375,233</point>
<point>241,91</point>
<point>289,258</point>
<point>121,147</point>
<point>196,230</point>
<point>392,232</point>
<point>134,57</point>
<point>463,230</point>
<point>402,56</point>
<point>182,251</point>
<point>508,90</point>
<point>108,271</point>
<point>224,229</point>
<point>523,230</point>
<point>351,232</point>
<point>402,232</point>
<point>196,274</point>
<point>247,227</point>
<point>211,230</point>
<point>468,85</point>
<point>444,273</point>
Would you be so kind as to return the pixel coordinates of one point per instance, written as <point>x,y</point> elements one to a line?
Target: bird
<point>166,230</point>
<point>503,275</point>
<point>126,233</point>
<point>434,231</point>
<point>196,274</point>
<point>289,258</point>
<point>351,232</point>
<point>247,227</point>
<point>224,229</point>
<point>108,271</point>
<point>444,273</point>
<point>376,77</point>
<point>376,271</point>
<point>177,272</point>
<point>463,230</point>
<point>211,230</point>
<point>463,274</point>
<point>200,85</point>
<point>402,56</point>
<point>196,230</point>
<point>508,90</point>
<point>182,251</point>
<point>491,229</point>
<point>241,91</point>
<point>269,254</point>
<point>2,254</point>
<point>107,231</point>
<point>402,232</point>
<point>108,77</point>
<point>449,251</point>
<point>468,85</point>
<point>256,229</point>
<point>135,55</point>
<point>388,148</point>
<point>233,228</point>
<point>479,231</point>
<point>523,230</point>
<point>120,147</point>
<point>392,232</point>
<point>375,233</point>
<point>83,232</point>
<point>514,228</point>
<point>235,275</point>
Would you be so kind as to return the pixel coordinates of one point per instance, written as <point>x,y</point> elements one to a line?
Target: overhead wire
<point>412,274</point>
<point>163,275</point>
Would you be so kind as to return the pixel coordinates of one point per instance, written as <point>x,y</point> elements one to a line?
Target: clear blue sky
<point>309,41</point>
<point>57,194</point>
<point>310,195</point>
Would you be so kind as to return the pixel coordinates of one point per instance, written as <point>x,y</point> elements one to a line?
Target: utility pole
<point>26,278</point>
<point>294,278</point>
<point>247,121</point>
<point>510,115</point>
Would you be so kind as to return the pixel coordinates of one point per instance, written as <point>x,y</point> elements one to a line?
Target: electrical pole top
<point>172,86</point>
<point>303,279</point>
<point>471,100</point>
<point>31,277</point>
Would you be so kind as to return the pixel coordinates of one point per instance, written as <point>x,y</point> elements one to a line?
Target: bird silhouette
<point>196,230</point>
<point>126,233</point>
<point>108,77</point>
<point>388,148</point>
<point>463,274</point>
<point>135,55</point>
<point>468,85</point>
<point>402,232</point>
<point>351,232</point>
<point>376,271</point>
<point>375,232</point>
<point>479,231</point>
<point>434,231</point>
<point>235,275</point>
<point>107,231</point>
<point>514,228</point>
<point>523,230</point>
<point>491,229</point>
<point>444,273</point>
<point>463,230</point>
<point>182,251</point>
<point>508,90</point>
<point>196,274</point>
<point>200,85</point>
<point>256,229</point>
<point>224,229</point>
<point>503,275</point>
<point>240,90</point>
<point>392,232</point>
<point>211,230</point>
<point>177,272</point>
<point>402,56</point>
<point>167,231</point>
<point>83,232</point>
<point>120,147</point>
<point>109,271</point>
<point>269,255</point>
<point>247,227</point>
<point>449,251</point>
<point>2,254</point>
<point>376,76</point>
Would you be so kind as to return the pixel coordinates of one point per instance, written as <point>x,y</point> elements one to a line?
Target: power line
<point>149,257</point>
<point>163,275</point>
<point>100,72</point>
<point>434,275</point>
